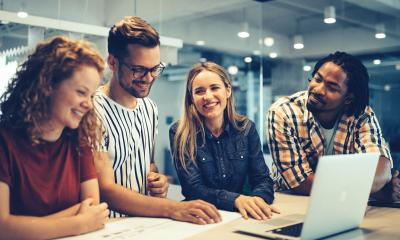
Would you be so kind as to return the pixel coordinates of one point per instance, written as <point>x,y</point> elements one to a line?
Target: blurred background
<point>268,46</point>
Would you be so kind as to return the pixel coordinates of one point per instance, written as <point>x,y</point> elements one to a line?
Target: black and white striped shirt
<point>128,140</point>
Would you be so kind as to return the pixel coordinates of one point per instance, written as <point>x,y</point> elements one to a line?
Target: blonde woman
<point>215,148</point>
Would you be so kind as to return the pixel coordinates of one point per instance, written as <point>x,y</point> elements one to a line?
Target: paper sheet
<point>153,228</point>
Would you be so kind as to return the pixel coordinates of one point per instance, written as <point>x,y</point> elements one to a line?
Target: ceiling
<point>217,22</point>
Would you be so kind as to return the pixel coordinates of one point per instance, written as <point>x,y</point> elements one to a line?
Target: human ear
<point>112,62</point>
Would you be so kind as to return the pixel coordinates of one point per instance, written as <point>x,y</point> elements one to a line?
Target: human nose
<point>319,88</point>
<point>207,95</point>
<point>88,103</point>
<point>148,77</point>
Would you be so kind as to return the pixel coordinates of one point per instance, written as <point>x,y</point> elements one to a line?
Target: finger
<point>152,176</point>
<point>88,201</point>
<point>156,184</point>
<point>275,209</point>
<point>193,219</point>
<point>252,213</point>
<point>199,213</point>
<point>243,213</point>
<point>264,207</point>
<point>162,195</point>
<point>210,209</point>
<point>214,208</point>
<point>396,173</point>
<point>257,210</point>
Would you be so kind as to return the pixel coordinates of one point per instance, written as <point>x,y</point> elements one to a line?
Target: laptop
<point>338,200</point>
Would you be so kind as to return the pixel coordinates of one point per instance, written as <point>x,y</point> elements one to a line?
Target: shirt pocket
<point>207,167</point>
<point>238,162</point>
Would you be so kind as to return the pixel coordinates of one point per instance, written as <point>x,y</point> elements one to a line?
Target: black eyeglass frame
<point>155,71</point>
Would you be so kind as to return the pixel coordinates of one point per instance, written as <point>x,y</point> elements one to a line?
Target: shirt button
<point>241,156</point>
<point>223,175</point>
<point>204,158</point>
<point>218,142</point>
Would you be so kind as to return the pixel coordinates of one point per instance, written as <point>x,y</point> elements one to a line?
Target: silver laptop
<point>338,200</point>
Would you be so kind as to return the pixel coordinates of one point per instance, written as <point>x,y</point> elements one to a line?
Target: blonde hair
<point>191,122</point>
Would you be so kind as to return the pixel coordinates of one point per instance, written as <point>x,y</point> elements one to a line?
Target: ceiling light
<point>256,52</point>
<point>248,59</point>
<point>244,32</point>
<point>329,15</point>
<point>397,66</point>
<point>376,61</point>
<point>22,14</point>
<point>269,41</point>
<point>380,31</point>
<point>22,11</point>
<point>203,59</point>
<point>298,42</point>
<point>306,68</point>
<point>273,55</point>
<point>200,42</point>
<point>233,70</point>
<point>387,87</point>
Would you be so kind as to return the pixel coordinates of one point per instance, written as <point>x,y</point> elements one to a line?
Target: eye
<point>215,88</point>
<point>199,91</point>
<point>81,92</point>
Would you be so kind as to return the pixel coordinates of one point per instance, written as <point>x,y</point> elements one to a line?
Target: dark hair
<point>357,79</point>
<point>26,103</point>
<point>131,30</point>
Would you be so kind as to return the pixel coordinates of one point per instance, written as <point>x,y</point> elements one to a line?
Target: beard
<point>130,87</point>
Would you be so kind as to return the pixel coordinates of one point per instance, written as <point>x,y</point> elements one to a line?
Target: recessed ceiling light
<point>269,41</point>
<point>306,68</point>
<point>273,55</point>
<point>233,70</point>
<point>248,59</point>
<point>376,61</point>
<point>200,42</point>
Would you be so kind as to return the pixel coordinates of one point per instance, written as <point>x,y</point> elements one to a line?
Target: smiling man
<point>125,165</point>
<point>332,117</point>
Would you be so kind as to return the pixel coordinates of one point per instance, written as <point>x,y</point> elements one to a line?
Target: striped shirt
<point>296,140</point>
<point>128,139</point>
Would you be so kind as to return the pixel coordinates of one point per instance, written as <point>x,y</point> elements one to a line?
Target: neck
<point>114,91</point>
<point>327,119</point>
<point>215,126</point>
<point>51,133</point>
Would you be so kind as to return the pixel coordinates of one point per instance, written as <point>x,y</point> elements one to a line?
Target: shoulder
<point>289,106</point>
<point>173,128</point>
<point>297,100</point>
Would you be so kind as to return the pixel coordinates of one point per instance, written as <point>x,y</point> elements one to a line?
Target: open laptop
<point>338,200</point>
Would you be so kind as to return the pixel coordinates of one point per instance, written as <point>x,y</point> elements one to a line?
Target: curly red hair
<point>26,103</point>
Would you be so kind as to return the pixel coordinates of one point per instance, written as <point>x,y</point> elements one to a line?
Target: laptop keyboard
<point>292,230</point>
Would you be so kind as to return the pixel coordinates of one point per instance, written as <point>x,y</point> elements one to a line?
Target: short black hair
<point>357,79</point>
<point>131,30</point>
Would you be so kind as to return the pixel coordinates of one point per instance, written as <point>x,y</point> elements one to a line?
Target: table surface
<point>378,223</point>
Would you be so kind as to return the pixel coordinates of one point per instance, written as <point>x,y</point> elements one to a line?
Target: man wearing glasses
<point>332,117</point>
<point>125,163</point>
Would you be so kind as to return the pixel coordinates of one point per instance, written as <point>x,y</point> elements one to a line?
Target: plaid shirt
<point>296,140</point>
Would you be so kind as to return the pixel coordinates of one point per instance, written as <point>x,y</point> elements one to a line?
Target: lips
<point>210,105</point>
<point>315,99</point>
<point>78,113</point>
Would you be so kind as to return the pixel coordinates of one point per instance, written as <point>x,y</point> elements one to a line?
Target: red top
<point>44,178</point>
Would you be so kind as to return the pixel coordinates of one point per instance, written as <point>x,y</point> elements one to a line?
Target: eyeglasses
<point>141,72</point>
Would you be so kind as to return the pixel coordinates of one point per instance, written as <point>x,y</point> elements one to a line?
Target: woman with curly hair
<point>215,149</point>
<point>48,133</point>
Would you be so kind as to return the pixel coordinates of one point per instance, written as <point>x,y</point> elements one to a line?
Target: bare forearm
<point>69,212</point>
<point>382,175</point>
<point>24,227</point>
<point>133,203</point>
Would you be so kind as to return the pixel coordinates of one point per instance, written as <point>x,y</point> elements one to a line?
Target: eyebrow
<point>326,80</point>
